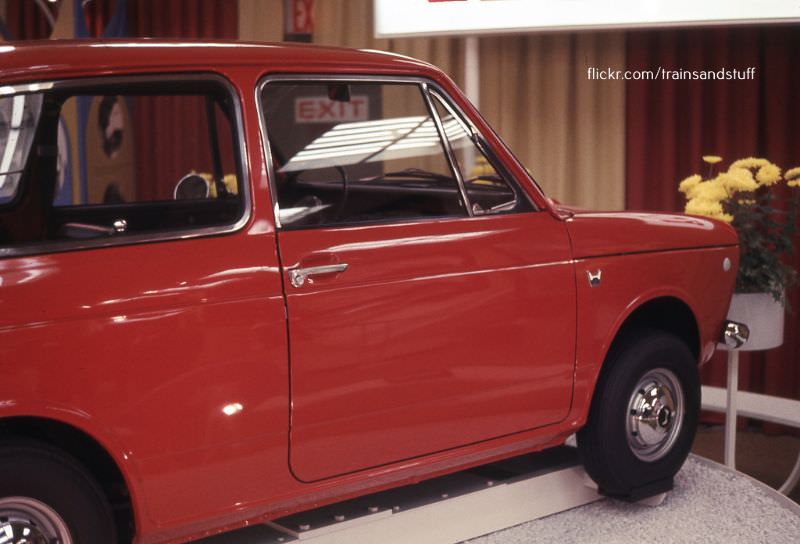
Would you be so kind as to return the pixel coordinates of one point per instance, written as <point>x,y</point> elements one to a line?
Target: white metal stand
<point>444,510</point>
<point>763,407</point>
<point>731,408</point>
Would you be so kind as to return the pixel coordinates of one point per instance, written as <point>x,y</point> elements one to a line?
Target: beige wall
<point>261,20</point>
<point>568,130</point>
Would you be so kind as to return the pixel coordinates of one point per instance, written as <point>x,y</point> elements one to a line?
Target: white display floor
<point>710,504</point>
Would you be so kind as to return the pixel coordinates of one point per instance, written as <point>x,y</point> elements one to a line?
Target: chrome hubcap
<point>27,521</point>
<point>655,414</point>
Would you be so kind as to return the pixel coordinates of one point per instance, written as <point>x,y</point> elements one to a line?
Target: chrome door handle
<point>298,276</point>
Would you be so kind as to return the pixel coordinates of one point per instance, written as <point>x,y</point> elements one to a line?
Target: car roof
<point>26,60</point>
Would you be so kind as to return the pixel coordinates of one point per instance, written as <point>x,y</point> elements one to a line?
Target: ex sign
<point>298,17</point>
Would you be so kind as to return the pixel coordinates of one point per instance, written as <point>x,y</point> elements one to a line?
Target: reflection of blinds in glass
<point>373,141</point>
<point>19,115</point>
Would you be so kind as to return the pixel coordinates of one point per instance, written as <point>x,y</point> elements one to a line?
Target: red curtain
<point>164,146</point>
<point>97,14</point>
<point>671,123</point>
<point>26,21</point>
<point>188,19</point>
<point>172,140</point>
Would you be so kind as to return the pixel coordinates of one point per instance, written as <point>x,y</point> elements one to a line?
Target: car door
<point>430,305</point>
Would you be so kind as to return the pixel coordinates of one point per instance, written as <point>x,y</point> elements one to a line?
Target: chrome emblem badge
<point>726,264</point>
<point>594,279</point>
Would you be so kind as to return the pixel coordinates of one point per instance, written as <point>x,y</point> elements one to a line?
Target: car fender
<point>629,282</point>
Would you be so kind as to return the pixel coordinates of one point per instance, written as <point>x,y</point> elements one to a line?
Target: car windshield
<point>19,115</point>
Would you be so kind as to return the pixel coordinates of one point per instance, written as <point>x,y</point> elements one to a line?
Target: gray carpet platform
<point>710,505</point>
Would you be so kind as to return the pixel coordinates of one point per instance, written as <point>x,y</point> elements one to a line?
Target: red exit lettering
<point>321,109</point>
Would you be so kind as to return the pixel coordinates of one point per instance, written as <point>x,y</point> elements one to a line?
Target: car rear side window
<point>357,152</point>
<point>122,161</point>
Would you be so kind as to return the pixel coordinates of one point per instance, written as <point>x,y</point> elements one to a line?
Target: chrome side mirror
<point>735,335</point>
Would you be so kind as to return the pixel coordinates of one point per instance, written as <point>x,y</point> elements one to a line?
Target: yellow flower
<point>701,206</point>
<point>794,183</point>
<point>713,191</point>
<point>747,201</point>
<point>738,180</point>
<point>481,168</point>
<point>769,174</point>
<point>792,173</point>
<point>689,183</point>
<point>750,162</point>
<point>708,208</point>
<point>711,159</point>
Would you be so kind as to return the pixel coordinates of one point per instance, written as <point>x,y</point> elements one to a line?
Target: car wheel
<point>46,497</point>
<point>643,416</point>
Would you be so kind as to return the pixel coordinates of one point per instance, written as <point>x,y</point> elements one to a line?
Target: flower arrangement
<point>745,196</point>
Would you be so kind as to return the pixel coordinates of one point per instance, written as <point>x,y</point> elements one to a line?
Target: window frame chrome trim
<point>448,149</point>
<point>376,79</point>
<point>483,147</point>
<point>240,145</point>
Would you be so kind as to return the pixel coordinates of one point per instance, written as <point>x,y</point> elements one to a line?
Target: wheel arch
<point>662,311</point>
<point>667,313</point>
<point>90,453</point>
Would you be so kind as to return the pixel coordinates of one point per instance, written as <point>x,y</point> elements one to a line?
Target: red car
<point>238,281</point>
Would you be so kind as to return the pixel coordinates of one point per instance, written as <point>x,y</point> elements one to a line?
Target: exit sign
<point>321,109</point>
<point>298,17</point>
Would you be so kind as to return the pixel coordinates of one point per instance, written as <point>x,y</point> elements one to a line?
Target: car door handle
<point>298,276</point>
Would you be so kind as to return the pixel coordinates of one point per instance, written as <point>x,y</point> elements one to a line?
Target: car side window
<point>105,162</point>
<point>488,192</point>
<point>356,152</point>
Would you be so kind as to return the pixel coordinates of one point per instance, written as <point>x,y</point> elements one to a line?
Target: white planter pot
<point>764,317</point>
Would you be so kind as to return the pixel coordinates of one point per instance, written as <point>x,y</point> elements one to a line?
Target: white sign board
<point>395,18</point>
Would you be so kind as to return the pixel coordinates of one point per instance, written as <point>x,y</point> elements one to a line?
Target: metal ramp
<point>443,510</point>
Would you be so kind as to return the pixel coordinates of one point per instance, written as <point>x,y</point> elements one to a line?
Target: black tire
<point>37,481</point>
<point>622,445</point>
